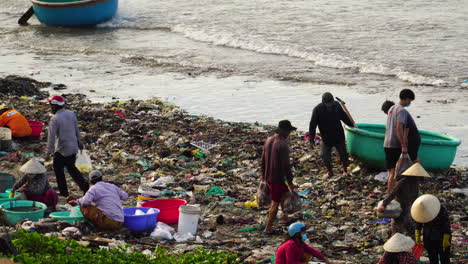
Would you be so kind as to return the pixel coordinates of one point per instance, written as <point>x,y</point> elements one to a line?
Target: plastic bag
<point>403,164</point>
<point>139,212</point>
<point>83,162</point>
<point>263,194</point>
<point>292,203</point>
<point>163,231</point>
<point>418,250</point>
<point>183,237</point>
<point>392,210</point>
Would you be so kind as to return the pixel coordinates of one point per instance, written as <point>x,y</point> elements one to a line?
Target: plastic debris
<point>183,237</point>
<point>139,212</point>
<point>215,190</point>
<point>382,177</point>
<point>163,231</point>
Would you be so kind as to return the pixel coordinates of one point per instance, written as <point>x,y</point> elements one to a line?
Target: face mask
<point>304,237</point>
<point>408,105</point>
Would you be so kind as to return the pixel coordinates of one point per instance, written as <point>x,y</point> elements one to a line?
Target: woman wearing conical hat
<point>433,219</point>
<point>405,192</point>
<point>398,250</point>
<point>35,185</point>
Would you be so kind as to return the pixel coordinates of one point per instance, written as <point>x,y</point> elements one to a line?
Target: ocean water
<point>260,61</point>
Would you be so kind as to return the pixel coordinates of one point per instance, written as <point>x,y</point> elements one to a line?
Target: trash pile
<point>154,150</point>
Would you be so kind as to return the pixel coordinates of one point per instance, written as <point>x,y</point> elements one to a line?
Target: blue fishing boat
<point>74,13</point>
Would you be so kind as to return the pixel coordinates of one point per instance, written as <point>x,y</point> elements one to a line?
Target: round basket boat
<point>437,151</point>
<point>74,13</point>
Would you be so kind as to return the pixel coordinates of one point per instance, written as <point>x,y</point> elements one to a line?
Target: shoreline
<point>153,140</point>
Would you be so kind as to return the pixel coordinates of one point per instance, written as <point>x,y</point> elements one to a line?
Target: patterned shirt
<point>34,184</point>
<point>403,258</point>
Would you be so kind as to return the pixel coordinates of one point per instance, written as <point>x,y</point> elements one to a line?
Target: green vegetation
<point>38,249</point>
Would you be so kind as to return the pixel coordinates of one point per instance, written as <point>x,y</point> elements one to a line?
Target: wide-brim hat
<point>425,208</point>
<point>33,166</point>
<point>416,170</point>
<point>284,126</point>
<point>399,243</point>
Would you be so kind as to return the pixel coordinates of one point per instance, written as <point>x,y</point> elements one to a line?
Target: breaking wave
<point>319,59</point>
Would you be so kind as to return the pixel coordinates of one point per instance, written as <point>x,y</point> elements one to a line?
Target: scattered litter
<point>382,177</point>
<point>203,145</point>
<point>183,237</point>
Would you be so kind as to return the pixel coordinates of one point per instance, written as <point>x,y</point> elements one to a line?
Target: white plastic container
<point>5,139</point>
<point>5,133</point>
<point>188,219</point>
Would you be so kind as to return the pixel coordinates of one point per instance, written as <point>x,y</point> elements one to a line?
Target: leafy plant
<point>38,249</point>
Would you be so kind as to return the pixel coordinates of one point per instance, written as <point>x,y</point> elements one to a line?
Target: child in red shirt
<point>295,250</point>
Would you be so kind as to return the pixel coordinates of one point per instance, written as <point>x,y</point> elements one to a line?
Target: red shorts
<point>277,191</point>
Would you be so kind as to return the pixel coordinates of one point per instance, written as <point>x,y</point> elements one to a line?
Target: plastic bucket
<point>36,128</point>
<point>169,209</point>
<point>6,181</point>
<point>5,133</point>
<point>5,197</point>
<point>188,219</point>
<point>13,217</point>
<point>65,216</point>
<point>140,223</point>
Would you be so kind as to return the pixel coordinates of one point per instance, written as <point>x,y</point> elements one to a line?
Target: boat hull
<point>74,13</point>
<point>437,151</point>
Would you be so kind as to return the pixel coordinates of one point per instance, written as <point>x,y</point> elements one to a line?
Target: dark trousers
<point>436,252</point>
<point>326,152</point>
<point>404,224</point>
<point>60,162</point>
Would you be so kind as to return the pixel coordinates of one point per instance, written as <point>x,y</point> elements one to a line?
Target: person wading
<point>63,143</point>
<point>276,170</point>
<point>401,135</point>
<point>328,116</point>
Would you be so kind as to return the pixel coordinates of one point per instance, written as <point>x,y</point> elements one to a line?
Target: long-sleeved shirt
<point>406,192</point>
<point>275,160</point>
<point>329,124</point>
<point>34,184</point>
<point>17,123</point>
<point>403,258</point>
<point>64,135</point>
<point>436,229</point>
<point>292,252</point>
<point>107,198</point>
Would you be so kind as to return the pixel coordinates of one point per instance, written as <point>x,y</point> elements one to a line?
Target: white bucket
<point>5,139</point>
<point>5,133</point>
<point>188,219</point>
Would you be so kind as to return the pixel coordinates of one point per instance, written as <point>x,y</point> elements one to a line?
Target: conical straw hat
<point>416,170</point>
<point>399,243</point>
<point>425,208</point>
<point>33,166</point>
